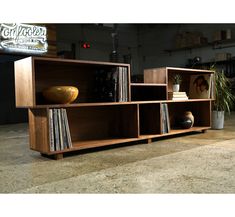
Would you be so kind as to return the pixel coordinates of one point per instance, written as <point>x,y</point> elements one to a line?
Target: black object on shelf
<point>104,86</point>
<point>186,123</point>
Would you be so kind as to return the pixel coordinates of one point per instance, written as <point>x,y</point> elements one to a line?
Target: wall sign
<point>23,38</point>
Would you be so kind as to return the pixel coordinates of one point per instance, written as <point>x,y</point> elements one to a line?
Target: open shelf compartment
<point>149,117</point>
<point>103,124</point>
<point>41,73</point>
<point>200,111</point>
<point>188,77</point>
<point>148,92</point>
<point>89,126</point>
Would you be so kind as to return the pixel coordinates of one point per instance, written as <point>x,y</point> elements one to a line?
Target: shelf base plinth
<point>58,156</point>
<point>55,156</point>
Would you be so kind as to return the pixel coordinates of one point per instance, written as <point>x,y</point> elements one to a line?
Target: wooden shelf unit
<point>94,124</point>
<point>38,73</point>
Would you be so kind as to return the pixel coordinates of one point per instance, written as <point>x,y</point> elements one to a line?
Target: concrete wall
<point>8,112</point>
<point>145,42</point>
<point>100,40</point>
<point>155,39</point>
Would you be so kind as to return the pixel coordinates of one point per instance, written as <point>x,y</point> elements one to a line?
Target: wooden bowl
<point>60,94</point>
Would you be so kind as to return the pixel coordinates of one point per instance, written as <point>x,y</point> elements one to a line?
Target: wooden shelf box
<point>149,117</point>
<point>200,111</point>
<point>148,92</point>
<point>38,73</point>
<point>94,123</point>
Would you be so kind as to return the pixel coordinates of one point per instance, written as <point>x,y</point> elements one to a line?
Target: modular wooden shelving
<point>94,124</point>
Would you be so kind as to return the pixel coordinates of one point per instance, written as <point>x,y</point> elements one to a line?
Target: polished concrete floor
<point>193,163</point>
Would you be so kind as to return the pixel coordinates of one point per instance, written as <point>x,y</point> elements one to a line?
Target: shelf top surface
<point>78,145</point>
<point>188,70</point>
<point>147,84</point>
<point>73,61</point>
<point>116,103</point>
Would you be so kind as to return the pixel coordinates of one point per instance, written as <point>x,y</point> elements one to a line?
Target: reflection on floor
<point>194,163</point>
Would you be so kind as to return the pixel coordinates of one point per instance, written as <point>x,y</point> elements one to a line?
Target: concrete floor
<point>194,163</point>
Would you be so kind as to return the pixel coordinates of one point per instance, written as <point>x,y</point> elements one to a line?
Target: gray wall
<point>100,40</point>
<point>156,39</point>
<point>8,111</point>
<point>145,42</point>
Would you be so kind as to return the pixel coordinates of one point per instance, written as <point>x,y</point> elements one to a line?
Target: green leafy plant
<point>224,98</point>
<point>176,79</point>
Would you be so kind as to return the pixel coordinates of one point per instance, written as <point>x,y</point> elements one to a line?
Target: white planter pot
<point>217,120</point>
<point>176,88</point>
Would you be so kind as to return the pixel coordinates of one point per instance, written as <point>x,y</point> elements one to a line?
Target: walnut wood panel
<point>175,132</point>
<point>200,111</point>
<point>128,121</point>
<point>93,123</point>
<point>165,74</point>
<point>54,61</point>
<point>38,130</point>
<point>192,129</point>
<point>24,83</point>
<point>81,77</point>
<point>117,103</point>
<point>188,70</point>
<point>148,84</point>
<point>80,145</point>
<point>129,82</point>
<point>147,93</point>
<point>149,118</point>
<point>52,71</point>
<point>138,119</point>
<point>157,75</point>
<point>186,75</point>
<point>203,111</point>
<point>184,86</point>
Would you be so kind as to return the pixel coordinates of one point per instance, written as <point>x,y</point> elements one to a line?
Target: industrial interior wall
<point>100,41</point>
<point>156,39</point>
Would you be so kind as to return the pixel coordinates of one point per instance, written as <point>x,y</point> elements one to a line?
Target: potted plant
<point>176,79</point>
<point>224,99</point>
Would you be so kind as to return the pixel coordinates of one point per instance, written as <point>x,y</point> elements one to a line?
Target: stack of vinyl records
<point>165,119</point>
<point>60,138</point>
<point>111,85</point>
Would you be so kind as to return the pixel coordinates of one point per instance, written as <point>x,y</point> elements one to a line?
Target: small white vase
<point>176,87</point>
<point>217,120</point>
